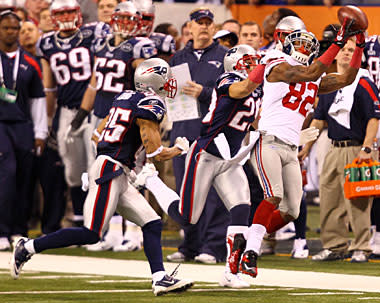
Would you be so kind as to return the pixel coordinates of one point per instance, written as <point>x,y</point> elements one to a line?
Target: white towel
<point>341,107</point>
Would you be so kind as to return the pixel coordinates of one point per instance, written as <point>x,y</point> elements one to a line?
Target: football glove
<point>183,144</point>
<point>308,134</point>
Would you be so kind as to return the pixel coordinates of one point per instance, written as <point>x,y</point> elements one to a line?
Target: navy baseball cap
<point>202,13</point>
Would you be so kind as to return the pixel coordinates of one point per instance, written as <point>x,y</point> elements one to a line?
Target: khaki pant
<point>336,210</point>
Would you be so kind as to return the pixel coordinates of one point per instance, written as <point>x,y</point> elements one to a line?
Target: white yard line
<point>197,272</point>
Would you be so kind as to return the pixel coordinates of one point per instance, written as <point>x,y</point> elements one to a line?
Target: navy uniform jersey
<point>165,44</point>
<point>228,118</point>
<point>28,85</point>
<point>120,138</point>
<point>71,60</point>
<point>113,68</point>
<point>372,57</point>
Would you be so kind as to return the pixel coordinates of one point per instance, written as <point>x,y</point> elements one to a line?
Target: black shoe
<point>236,247</point>
<point>19,257</point>
<point>248,263</point>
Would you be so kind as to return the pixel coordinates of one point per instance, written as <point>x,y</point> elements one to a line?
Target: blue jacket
<point>205,72</point>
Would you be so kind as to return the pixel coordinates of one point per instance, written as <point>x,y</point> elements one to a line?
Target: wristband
<point>96,133</point>
<point>50,89</point>
<point>156,152</point>
<point>328,57</point>
<point>91,87</point>
<point>78,119</point>
<point>257,75</point>
<point>356,60</point>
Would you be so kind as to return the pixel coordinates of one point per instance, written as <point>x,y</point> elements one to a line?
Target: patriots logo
<point>154,106</point>
<point>160,70</point>
<point>217,64</point>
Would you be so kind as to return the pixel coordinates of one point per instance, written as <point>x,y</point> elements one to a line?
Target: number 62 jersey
<point>71,60</point>
<point>120,138</point>
<point>285,105</point>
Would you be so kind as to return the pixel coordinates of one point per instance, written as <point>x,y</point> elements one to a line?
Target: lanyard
<point>15,70</point>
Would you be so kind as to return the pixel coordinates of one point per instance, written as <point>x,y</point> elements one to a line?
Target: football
<point>353,12</point>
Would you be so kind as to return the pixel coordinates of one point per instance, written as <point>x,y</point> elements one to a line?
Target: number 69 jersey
<point>285,106</point>
<point>71,60</point>
<point>120,138</point>
<point>113,68</point>
<point>228,119</point>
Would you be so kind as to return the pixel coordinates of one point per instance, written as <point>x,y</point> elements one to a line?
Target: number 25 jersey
<point>285,105</point>
<point>120,138</point>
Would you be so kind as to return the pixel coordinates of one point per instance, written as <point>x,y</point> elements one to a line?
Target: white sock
<point>256,233</point>
<point>163,194</point>
<point>29,246</point>
<point>158,275</point>
<point>231,231</point>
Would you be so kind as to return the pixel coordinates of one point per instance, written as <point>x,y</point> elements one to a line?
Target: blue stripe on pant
<point>102,198</point>
<point>187,187</point>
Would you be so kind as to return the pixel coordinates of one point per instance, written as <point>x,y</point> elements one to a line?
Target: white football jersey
<point>285,106</point>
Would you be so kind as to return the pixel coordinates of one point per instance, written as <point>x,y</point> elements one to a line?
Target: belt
<point>346,143</point>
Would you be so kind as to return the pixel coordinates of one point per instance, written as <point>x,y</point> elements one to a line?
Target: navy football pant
<point>16,160</point>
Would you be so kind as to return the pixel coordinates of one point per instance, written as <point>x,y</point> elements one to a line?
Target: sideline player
<point>208,162</point>
<point>67,65</point>
<point>291,84</point>
<point>133,120</point>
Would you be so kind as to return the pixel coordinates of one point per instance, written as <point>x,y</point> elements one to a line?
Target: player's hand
<point>39,146</point>
<point>360,40</point>
<point>302,155</point>
<point>345,32</point>
<point>308,134</point>
<point>183,144</point>
<point>192,89</point>
<point>72,133</point>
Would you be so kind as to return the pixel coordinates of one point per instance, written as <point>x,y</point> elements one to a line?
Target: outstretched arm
<point>151,139</point>
<point>243,88</point>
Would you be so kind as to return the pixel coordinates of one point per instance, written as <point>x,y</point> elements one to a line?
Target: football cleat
<point>205,258</point>
<point>300,249</point>
<point>170,284</point>
<point>176,257</point>
<point>248,263</point>
<point>19,257</point>
<point>233,281</point>
<point>128,245</point>
<point>236,246</point>
<point>4,244</point>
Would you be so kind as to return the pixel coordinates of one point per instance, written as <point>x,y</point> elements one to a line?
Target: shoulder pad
<point>228,79</point>
<point>153,104</point>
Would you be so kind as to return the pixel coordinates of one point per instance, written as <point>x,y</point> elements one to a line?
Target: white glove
<point>308,134</point>
<point>183,144</point>
<point>85,182</point>
<point>70,134</point>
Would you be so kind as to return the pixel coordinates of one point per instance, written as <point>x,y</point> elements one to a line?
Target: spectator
<point>232,25</point>
<point>29,36</point>
<point>22,13</point>
<point>34,7</point>
<point>226,38</point>
<point>204,57</point>
<point>45,25</point>
<point>105,10</point>
<point>250,33</point>
<point>350,140</point>
<point>89,11</point>
<point>185,34</point>
<point>23,128</point>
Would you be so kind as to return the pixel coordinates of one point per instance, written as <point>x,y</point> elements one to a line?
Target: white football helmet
<point>285,27</point>
<point>7,5</point>
<point>155,75</point>
<point>302,46</point>
<point>240,59</point>
<point>125,20</point>
<point>66,15</point>
<point>146,9</point>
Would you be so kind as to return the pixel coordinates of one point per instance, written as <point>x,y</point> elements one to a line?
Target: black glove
<point>345,32</point>
<point>78,119</point>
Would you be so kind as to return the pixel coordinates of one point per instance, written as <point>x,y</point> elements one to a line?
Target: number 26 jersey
<point>285,105</point>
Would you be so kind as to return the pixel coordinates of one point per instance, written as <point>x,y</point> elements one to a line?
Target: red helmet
<point>125,20</point>
<point>66,15</point>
